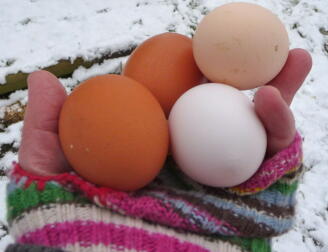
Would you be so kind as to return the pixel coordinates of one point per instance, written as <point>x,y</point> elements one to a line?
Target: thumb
<point>40,151</point>
<point>276,117</point>
<point>46,97</point>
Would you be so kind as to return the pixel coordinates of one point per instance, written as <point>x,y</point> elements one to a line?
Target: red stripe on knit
<point>143,207</point>
<point>146,207</point>
<point>88,233</point>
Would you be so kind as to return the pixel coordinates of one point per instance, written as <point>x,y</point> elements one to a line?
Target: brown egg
<point>165,64</point>
<point>114,132</point>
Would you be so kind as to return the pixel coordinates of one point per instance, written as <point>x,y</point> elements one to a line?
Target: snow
<point>4,239</point>
<point>39,33</point>
<point>10,135</point>
<point>80,74</point>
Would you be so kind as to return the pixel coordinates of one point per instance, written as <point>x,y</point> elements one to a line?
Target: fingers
<point>46,97</point>
<point>40,151</point>
<point>293,74</point>
<point>272,100</point>
<point>276,117</point>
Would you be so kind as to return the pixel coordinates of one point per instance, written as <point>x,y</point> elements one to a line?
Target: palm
<point>40,150</point>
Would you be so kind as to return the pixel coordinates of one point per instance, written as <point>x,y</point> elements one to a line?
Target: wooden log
<point>63,68</point>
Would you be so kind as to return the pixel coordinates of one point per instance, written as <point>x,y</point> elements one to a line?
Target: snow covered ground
<point>37,34</point>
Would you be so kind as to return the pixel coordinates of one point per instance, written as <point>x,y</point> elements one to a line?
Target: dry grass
<point>12,114</point>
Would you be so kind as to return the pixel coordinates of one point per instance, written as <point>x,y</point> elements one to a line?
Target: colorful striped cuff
<point>69,225</point>
<point>172,213</point>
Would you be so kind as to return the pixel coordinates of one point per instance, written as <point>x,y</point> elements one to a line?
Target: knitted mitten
<point>173,213</point>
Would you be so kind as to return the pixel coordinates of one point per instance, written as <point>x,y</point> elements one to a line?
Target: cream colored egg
<point>241,44</point>
<point>216,137</point>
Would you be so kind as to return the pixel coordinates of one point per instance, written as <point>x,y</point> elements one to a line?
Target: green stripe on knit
<point>250,244</point>
<point>284,188</point>
<point>21,200</point>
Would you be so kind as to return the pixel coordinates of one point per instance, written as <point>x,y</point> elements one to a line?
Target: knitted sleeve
<point>172,211</point>
<point>286,162</point>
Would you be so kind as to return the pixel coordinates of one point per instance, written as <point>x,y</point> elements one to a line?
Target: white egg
<point>216,137</point>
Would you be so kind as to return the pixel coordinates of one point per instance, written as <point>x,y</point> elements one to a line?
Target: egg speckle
<point>241,44</point>
<point>114,132</point>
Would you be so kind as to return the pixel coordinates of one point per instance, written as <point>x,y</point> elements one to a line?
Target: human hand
<point>273,100</point>
<point>40,151</point>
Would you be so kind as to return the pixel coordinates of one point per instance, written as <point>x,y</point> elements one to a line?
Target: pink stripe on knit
<point>88,233</point>
<point>148,208</point>
<point>152,209</point>
<point>143,207</point>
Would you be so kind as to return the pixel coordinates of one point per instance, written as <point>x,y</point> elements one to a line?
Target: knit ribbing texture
<point>170,208</point>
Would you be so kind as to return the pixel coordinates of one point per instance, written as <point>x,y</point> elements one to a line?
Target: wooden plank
<point>63,68</point>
